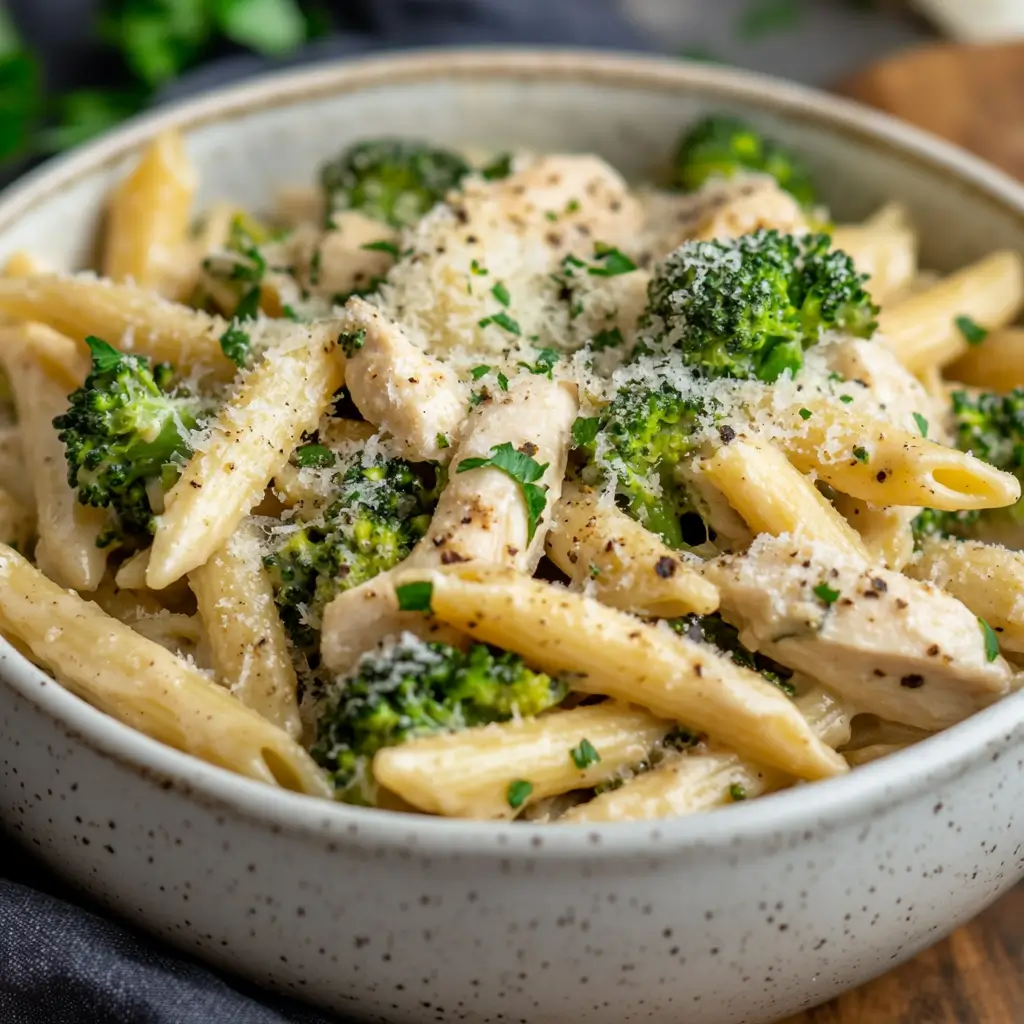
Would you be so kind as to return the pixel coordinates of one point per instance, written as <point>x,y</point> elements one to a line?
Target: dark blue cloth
<point>59,962</point>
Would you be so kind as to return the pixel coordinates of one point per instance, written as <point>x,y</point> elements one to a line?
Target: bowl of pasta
<point>517,535</point>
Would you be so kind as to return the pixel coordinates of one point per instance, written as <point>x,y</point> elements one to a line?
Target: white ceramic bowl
<point>744,914</point>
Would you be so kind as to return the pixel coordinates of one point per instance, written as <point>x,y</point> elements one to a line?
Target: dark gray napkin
<point>60,962</point>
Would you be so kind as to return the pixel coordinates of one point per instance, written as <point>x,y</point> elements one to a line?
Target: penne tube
<point>14,474</point>
<point>21,264</point>
<point>67,530</point>
<point>997,364</point>
<point>886,252</point>
<point>623,564</point>
<point>886,533</point>
<point>611,653</point>
<point>469,774</point>
<point>17,523</point>
<point>480,516</point>
<point>131,573</point>
<point>247,641</point>
<point>922,329</point>
<point>176,632</point>
<point>148,217</point>
<point>423,403</point>
<point>774,497</point>
<point>127,317</point>
<point>143,685</point>
<point>881,463</point>
<point>989,579</point>
<point>249,441</point>
<point>708,777</point>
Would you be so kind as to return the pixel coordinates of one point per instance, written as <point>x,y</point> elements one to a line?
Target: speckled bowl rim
<point>935,762</point>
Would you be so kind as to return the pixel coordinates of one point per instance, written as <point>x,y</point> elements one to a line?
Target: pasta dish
<point>493,486</point>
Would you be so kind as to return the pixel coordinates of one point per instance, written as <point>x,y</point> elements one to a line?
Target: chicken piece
<point>886,644</point>
<point>481,514</point>
<point>333,263</point>
<point>404,391</point>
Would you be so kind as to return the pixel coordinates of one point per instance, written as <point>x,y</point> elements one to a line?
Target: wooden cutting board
<point>973,96</point>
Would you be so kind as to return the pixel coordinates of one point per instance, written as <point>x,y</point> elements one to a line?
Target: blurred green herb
<point>765,17</point>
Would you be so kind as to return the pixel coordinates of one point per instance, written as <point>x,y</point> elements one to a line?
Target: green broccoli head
<point>748,307</point>
<point>395,181</point>
<point>991,427</point>
<point>125,431</point>
<point>724,147</point>
<point>383,509</point>
<point>414,689</point>
<point>713,629</point>
<point>638,440</point>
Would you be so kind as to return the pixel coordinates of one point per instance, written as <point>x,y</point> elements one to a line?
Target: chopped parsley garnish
<point>391,248</point>
<point>522,468</point>
<point>826,594</point>
<point>610,338</point>
<point>415,597</point>
<point>518,791</point>
<point>477,269</point>
<point>235,342</point>
<point>546,360</point>
<point>352,342</point>
<point>314,456</point>
<point>584,755</point>
<point>922,424</point>
<point>572,206</point>
<point>442,441</point>
<point>805,414</point>
<point>613,261</point>
<point>973,333</point>
<point>585,429</point>
<point>594,570</point>
<point>846,399</point>
<point>480,371</point>
<point>499,167</point>
<point>991,640</point>
<point>502,320</point>
<point>315,262</point>
<point>500,292</point>
<point>737,792</point>
<point>861,454</point>
<point>502,381</point>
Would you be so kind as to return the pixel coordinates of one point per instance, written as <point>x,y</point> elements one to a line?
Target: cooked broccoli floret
<point>714,630</point>
<point>414,689</point>
<point>991,427</point>
<point>638,440</point>
<point>392,180</point>
<point>724,147</point>
<point>750,306</point>
<point>382,511</point>
<point>126,432</point>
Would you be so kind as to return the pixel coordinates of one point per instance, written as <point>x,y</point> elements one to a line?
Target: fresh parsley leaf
<point>546,360</point>
<point>314,456</point>
<point>235,342</point>
<point>442,441</point>
<point>104,357</point>
<point>826,594</point>
<point>737,792</point>
<point>502,320</point>
<point>973,333</point>
<point>584,755</point>
<point>991,640</point>
<point>584,430</point>
<point>391,248</point>
<point>610,338</point>
<point>922,424</point>
<point>522,468</point>
<point>846,399</point>
<point>480,371</point>
<point>415,597</point>
<point>270,27</point>
<point>499,167</point>
<point>500,292</point>
<point>518,791</point>
<point>502,381</point>
<point>613,262</point>
<point>352,341</point>
<point>476,268</point>
<point>805,414</point>
<point>20,102</point>
<point>861,454</point>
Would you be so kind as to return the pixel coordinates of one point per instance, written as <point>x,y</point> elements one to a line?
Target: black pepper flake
<point>879,584</point>
<point>880,476</point>
<point>529,448</point>
<point>912,682</point>
<point>900,603</point>
<point>726,433</point>
<point>665,567</point>
<point>933,651</point>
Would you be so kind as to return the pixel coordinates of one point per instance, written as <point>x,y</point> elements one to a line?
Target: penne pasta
<point>611,653</point>
<point>997,364</point>
<point>885,532</point>
<point>249,441</point>
<point>143,685</point>
<point>67,530</point>
<point>885,248</point>
<point>922,329</point>
<point>468,774</point>
<point>17,523</point>
<point>14,474</point>
<point>148,217</point>
<point>247,641</point>
<point>774,497</point>
<point>987,578</point>
<point>621,563</point>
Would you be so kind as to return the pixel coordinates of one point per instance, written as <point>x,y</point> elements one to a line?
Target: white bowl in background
<point>740,915</point>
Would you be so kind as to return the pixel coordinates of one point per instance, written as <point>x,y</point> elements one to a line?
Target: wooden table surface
<point>975,977</point>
